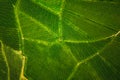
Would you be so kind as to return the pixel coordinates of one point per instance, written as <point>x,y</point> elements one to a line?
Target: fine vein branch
<point>80,63</point>
<point>91,57</point>
<point>37,22</point>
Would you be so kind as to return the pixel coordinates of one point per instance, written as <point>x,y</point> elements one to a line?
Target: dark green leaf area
<point>47,61</point>
<point>9,33</point>
<point>40,14</point>
<point>90,20</point>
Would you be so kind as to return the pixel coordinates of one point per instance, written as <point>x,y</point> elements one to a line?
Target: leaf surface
<point>11,63</point>
<point>68,40</point>
<point>11,59</point>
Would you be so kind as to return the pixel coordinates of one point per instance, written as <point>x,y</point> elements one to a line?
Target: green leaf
<point>11,63</point>
<point>62,39</point>
<point>11,59</point>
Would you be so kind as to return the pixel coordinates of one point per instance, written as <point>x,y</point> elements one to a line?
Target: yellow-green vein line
<point>16,8</point>
<point>47,8</point>
<point>60,20</point>
<point>90,57</point>
<point>39,23</point>
<point>79,63</point>
<point>3,52</point>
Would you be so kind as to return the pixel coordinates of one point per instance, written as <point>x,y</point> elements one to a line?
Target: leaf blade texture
<point>66,39</point>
